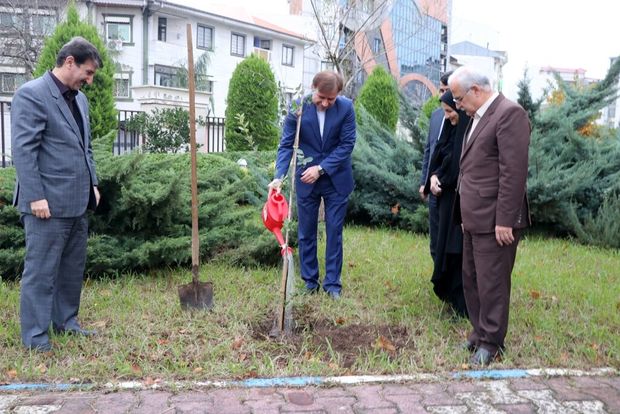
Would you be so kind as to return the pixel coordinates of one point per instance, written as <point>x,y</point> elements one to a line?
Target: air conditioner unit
<point>115,45</point>
<point>263,53</point>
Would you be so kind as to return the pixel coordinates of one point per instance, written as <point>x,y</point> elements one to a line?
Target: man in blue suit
<point>56,184</point>
<point>434,132</point>
<point>327,136</point>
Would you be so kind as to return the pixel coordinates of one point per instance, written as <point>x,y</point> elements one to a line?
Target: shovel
<point>197,294</point>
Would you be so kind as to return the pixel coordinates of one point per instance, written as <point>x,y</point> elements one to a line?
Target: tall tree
<point>103,114</point>
<point>379,95</point>
<point>252,107</point>
<point>525,97</point>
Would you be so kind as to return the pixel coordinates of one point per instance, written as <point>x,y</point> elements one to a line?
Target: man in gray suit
<point>434,132</point>
<point>493,206</point>
<point>56,184</point>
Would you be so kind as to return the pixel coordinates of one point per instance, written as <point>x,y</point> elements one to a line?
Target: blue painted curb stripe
<point>279,382</point>
<point>32,387</point>
<point>493,373</point>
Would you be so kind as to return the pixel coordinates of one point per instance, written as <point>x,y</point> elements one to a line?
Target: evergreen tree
<point>384,168</point>
<point>525,97</point>
<point>574,179</point>
<point>379,95</point>
<point>103,115</point>
<point>252,107</point>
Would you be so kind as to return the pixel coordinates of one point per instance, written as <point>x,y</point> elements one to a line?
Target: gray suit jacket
<point>436,120</point>
<point>51,158</point>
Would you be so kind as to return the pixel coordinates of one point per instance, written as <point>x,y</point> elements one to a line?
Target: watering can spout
<point>275,212</point>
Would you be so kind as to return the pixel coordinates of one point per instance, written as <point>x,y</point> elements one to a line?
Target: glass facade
<point>418,43</point>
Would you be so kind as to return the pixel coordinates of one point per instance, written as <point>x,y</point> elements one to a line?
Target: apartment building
<point>148,39</point>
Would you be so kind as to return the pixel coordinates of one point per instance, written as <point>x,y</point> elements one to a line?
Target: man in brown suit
<point>493,206</point>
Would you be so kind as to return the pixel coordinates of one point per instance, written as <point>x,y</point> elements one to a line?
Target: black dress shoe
<point>334,295</point>
<point>46,347</point>
<point>468,346</point>
<point>482,358</point>
<point>75,331</point>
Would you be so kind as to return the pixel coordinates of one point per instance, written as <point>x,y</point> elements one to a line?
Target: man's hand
<point>435,186</point>
<point>276,184</point>
<point>504,235</point>
<point>310,175</point>
<point>421,191</point>
<point>40,209</point>
<point>97,195</point>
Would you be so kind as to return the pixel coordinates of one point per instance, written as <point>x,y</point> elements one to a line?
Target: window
<point>262,43</point>
<point>237,44</point>
<point>166,76</point>
<point>287,55</point>
<point>9,82</point>
<point>376,46</point>
<point>121,88</point>
<point>162,23</point>
<point>11,21</point>
<point>43,24</point>
<point>203,84</point>
<point>326,65</point>
<point>118,28</point>
<point>204,37</point>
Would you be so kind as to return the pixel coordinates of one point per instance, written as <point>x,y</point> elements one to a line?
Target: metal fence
<point>212,136</point>
<point>5,134</point>
<point>215,134</point>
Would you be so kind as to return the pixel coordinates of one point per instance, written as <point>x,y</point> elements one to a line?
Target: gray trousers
<point>51,283</point>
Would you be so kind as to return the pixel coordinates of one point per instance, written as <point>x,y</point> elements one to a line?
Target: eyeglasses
<point>458,99</point>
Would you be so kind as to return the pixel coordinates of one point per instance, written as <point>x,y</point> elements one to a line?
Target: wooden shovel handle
<point>192,141</point>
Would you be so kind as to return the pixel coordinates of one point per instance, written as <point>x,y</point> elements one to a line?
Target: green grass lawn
<point>565,312</point>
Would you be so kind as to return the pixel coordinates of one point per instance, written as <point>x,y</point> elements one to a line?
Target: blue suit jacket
<point>437,118</point>
<point>51,158</point>
<point>332,152</point>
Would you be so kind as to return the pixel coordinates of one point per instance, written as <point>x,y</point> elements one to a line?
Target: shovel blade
<point>196,295</point>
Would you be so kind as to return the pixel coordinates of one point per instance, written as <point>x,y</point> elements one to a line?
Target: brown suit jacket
<point>493,170</point>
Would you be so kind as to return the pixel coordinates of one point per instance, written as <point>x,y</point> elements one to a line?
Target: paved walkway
<point>589,394</point>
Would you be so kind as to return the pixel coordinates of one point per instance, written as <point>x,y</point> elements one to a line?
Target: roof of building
<point>472,49</point>
<point>235,13</point>
<point>227,11</point>
<point>551,69</point>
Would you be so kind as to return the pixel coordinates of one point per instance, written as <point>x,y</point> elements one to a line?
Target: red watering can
<point>275,211</point>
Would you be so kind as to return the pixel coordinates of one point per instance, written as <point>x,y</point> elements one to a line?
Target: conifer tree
<point>103,115</point>
<point>252,107</point>
<point>525,97</point>
<point>379,95</point>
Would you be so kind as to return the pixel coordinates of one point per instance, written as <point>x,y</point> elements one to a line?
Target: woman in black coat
<point>444,171</point>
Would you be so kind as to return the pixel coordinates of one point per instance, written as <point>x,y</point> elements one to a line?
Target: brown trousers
<point>486,282</point>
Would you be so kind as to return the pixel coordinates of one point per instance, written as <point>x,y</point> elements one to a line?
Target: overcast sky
<point>534,33</point>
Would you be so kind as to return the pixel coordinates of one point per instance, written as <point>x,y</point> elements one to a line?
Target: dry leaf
<point>237,343</point>
<point>594,346</point>
<point>535,294</point>
<point>383,343</point>
<point>42,368</point>
<point>352,264</point>
<point>12,373</point>
<point>149,381</point>
<point>308,355</point>
<point>75,380</point>
<point>340,320</point>
<point>198,370</point>
<point>251,374</point>
<point>389,284</point>
<point>538,338</point>
<point>333,365</point>
<point>243,356</point>
<point>135,368</point>
<point>163,341</point>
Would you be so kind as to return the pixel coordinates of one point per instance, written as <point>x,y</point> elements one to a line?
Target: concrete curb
<point>314,381</point>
